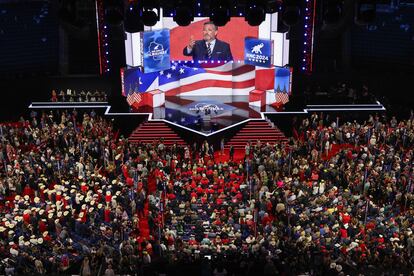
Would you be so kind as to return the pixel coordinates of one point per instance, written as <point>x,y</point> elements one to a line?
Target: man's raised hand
<point>191,43</point>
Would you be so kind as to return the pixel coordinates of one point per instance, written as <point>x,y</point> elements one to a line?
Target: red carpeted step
<point>155,128</point>
<point>156,141</point>
<point>153,131</point>
<point>137,135</point>
<point>168,142</point>
<point>259,134</point>
<point>256,130</point>
<point>253,139</point>
<point>177,140</point>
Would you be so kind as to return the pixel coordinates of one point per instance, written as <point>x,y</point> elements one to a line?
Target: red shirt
<point>370,225</point>
<point>344,233</point>
<point>27,191</point>
<point>84,188</point>
<point>107,215</point>
<point>346,218</point>
<point>108,198</point>
<point>192,242</point>
<point>199,190</point>
<point>266,220</point>
<point>26,218</point>
<point>204,181</point>
<point>42,226</point>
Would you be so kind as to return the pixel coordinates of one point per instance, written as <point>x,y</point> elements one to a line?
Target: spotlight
<point>184,12</point>
<point>150,17</point>
<point>113,12</point>
<point>220,12</point>
<point>273,6</point>
<point>255,12</point>
<point>291,13</point>
<point>150,12</point>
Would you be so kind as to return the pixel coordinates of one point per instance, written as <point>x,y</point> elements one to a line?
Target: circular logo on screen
<point>206,107</point>
<point>156,50</point>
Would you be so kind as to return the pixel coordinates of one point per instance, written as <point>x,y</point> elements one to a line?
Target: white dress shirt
<point>212,44</point>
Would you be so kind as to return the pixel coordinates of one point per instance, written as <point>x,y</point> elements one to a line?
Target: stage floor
<point>206,114</point>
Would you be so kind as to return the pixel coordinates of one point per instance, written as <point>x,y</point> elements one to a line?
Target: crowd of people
<point>83,96</point>
<point>77,199</point>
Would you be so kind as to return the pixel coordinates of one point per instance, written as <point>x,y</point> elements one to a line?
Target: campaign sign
<point>258,52</point>
<point>156,50</point>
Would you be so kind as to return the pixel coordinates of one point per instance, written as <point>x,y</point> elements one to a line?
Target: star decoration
<point>156,35</point>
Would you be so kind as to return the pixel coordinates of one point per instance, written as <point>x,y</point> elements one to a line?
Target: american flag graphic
<point>212,79</point>
<point>134,98</point>
<point>282,97</point>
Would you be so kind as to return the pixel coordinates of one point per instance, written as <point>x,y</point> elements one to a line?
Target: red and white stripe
<point>282,97</point>
<point>134,98</point>
<point>226,79</point>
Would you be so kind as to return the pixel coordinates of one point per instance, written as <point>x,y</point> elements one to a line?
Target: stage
<point>205,114</point>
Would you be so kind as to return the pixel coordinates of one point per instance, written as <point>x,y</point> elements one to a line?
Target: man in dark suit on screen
<point>210,48</point>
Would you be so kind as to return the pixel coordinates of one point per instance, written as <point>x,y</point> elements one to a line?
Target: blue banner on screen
<point>258,52</point>
<point>282,79</point>
<point>156,50</point>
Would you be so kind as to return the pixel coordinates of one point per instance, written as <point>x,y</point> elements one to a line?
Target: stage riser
<point>254,131</point>
<point>150,132</point>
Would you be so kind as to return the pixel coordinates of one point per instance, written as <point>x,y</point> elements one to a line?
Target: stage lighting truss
<point>220,12</point>
<point>273,6</point>
<point>255,12</point>
<point>150,12</point>
<point>184,12</point>
<point>113,12</point>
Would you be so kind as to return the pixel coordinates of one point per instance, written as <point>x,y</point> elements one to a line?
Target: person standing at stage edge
<point>210,48</point>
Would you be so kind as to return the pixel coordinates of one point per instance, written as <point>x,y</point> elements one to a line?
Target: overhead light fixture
<point>220,12</point>
<point>273,6</point>
<point>184,12</point>
<point>255,12</point>
<point>291,13</point>
<point>150,12</point>
<point>114,12</point>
